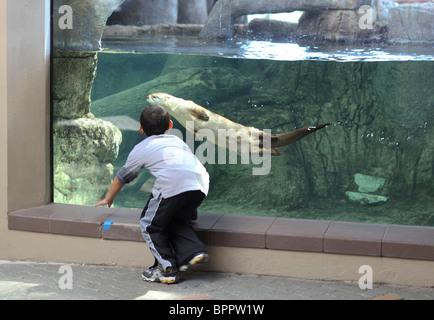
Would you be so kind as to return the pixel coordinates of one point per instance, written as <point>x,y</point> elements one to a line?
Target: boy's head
<point>155,120</point>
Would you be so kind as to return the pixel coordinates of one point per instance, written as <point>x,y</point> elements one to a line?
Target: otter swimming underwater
<point>185,110</point>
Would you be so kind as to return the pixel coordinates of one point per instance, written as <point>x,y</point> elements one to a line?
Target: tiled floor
<point>40,281</point>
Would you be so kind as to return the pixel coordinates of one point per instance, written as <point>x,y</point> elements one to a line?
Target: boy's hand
<point>104,202</point>
<point>114,190</point>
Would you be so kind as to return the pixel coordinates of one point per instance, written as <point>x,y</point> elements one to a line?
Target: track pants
<point>165,228</point>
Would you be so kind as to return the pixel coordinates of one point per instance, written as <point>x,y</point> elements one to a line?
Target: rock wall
<point>84,148</point>
<point>73,76</point>
<point>153,12</point>
<point>192,11</point>
<point>355,21</point>
<point>220,24</point>
<point>87,20</point>
<point>382,115</point>
<point>411,23</point>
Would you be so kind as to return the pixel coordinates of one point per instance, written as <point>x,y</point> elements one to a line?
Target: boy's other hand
<point>104,202</point>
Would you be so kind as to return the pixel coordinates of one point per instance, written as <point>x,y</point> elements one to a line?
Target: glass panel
<point>339,62</point>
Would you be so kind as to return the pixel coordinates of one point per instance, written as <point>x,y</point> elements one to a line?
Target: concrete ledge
<point>392,241</point>
<point>123,224</point>
<point>240,231</point>
<point>409,242</point>
<point>354,238</point>
<point>297,235</point>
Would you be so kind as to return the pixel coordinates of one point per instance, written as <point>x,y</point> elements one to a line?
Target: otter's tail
<point>279,140</point>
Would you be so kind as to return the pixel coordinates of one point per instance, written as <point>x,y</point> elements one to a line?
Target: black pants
<point>166,230</point>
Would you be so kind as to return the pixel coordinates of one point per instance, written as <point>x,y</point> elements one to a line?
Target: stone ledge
<point>354,238</point>
<point>392,241</point>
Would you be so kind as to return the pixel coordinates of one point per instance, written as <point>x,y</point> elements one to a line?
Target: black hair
<point>154,120</point>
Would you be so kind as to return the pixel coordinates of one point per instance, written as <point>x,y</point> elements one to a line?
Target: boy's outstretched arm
<point>114,190</point>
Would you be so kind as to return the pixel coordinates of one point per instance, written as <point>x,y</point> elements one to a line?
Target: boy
<point>182,183</point>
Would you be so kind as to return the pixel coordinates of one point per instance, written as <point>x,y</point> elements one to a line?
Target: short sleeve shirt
<point>170,161</point>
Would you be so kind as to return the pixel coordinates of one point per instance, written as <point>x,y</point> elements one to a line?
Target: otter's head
<point>158,98</point>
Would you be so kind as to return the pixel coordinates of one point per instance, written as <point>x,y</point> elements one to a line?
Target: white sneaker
<point>197,260</point>
<point>156,274</point>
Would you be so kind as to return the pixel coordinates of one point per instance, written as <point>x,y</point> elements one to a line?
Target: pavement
<point>51,281</point>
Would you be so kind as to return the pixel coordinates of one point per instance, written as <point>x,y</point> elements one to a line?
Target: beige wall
<point>28,103</point>
<point>24,178</point>
<point>24,113</point>
<point>3,117</point>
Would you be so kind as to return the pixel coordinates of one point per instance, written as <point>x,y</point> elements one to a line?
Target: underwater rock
<point>411,22</point>
<point>382,114</point>
<point>424,171</point>
<point>111,79</point>
<point>73,76</point>
<point>219,83</point>
<point>390,120</point>
<point>181,62</point>
<point>405,90</point>
<point>365,198</point>
<point>406,98</point>
<point>285,186</point>
<point>83,147</point>
<point>83,150</point>
<point>87,20</point>
<point>220,23</point>
<point>368,183</point>
<point>95,137</point>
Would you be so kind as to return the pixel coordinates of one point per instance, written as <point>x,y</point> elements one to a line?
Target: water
<point>380,103</point>
<point>275,50</point>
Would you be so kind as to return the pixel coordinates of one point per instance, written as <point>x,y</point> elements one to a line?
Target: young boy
<point>182,183</point>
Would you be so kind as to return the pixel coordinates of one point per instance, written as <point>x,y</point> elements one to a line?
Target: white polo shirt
<point>170,161</point>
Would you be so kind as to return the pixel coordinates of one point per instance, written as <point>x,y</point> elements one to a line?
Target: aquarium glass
<point>374,163</point>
